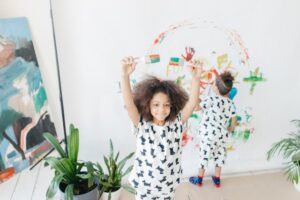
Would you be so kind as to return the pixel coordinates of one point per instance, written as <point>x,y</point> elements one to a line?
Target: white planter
<point>91,195</point>
<point>114,195</point>
<point>297,186</point>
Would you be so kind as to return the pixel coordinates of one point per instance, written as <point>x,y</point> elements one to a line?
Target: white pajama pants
<point>213,146</point>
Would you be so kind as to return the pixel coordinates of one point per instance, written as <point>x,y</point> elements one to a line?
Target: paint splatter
<point>216,62</point>
<point>175,65</point>
<point>179,80</point>
<point>194,116</point>
<point>230,148</point>
<point>254,77</point>
<point>185,137</point>
<point>175,61</point>
<point>222,59</point>
<point>150,59</point>
<point>242,134</point>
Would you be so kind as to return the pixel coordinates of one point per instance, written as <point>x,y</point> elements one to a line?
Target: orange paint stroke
<point>208,78</point>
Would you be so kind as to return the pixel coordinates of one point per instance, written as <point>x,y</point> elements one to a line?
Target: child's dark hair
<point>145,90</point>
<point>224,82</point>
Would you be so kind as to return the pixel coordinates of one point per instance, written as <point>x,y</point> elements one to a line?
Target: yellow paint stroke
<point>174,69</point>
<point>230,148</point>
<point>222,59</point>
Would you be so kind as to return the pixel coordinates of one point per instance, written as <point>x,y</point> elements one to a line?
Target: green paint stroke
<point>40,99</point>
<point>254,77</point>
<point>195,116</point>
<point>155,60</point>
<point>179,80</point>
<point>161,40</point>
<point>241,134</point>
<point>175,59</point>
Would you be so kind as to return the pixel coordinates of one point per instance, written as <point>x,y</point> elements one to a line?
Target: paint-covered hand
<point>196,68</point>
<point>128,65</point>
<point>189,51</point>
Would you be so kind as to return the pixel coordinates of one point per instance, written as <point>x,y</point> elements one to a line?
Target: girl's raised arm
<point>196,71</point>
<point>128,66</point>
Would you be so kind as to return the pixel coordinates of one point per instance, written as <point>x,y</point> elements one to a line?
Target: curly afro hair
<point>146,89</point>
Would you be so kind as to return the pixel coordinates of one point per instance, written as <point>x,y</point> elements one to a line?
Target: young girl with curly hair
<point>158,110</point>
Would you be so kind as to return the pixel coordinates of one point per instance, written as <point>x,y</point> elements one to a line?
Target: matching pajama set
<point>213,133</point>
<point>157,166</point>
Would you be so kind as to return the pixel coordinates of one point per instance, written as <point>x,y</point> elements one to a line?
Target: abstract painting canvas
<point>24,110</point>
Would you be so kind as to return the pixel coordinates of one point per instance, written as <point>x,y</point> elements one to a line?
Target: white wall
<point>93,36</point>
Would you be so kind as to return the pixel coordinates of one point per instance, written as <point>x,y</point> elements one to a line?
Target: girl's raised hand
<point>128,65</point>
<point>196,68</point>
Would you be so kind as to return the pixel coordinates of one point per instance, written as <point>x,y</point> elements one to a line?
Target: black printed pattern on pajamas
<point>217,111</point>
<point>157,166</point>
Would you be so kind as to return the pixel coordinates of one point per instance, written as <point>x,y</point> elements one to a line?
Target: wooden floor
<point>32,185</point>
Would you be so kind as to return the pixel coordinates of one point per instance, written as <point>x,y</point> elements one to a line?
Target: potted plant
<point>290,149</point>
<point>74,178</point>
<point>110,181</point>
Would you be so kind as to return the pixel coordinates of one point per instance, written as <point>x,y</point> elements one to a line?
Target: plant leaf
<point>117,156</point>
<point>55,143</point>
<point>122,163</point>
<point>289,148</point>
<point>69,192</point>
<point>129,189</point>
<point>52,189</point>
<point>109,195</point>
<point>73,143</point>
<point>107,165</point>
<point>90,171</point>
<point>63,166</point>
<point>100,169</point>
<point>111,149</point>
<point>129,169</point>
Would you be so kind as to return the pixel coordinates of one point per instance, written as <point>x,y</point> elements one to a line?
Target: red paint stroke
<point>159,38</point>
<point>162,35</point>
<point>211,76</point>
<point>238,39</point>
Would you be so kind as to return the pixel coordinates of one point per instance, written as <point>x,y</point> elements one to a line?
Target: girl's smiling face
<point>160,108</point>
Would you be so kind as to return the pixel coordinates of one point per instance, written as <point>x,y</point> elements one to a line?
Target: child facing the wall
<point>218,110</point>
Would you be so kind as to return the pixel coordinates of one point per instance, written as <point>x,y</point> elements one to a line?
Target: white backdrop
<point>94,36</point>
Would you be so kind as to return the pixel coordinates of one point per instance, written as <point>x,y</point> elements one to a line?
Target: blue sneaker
<point>196,180</point>
<point>217,181</point>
